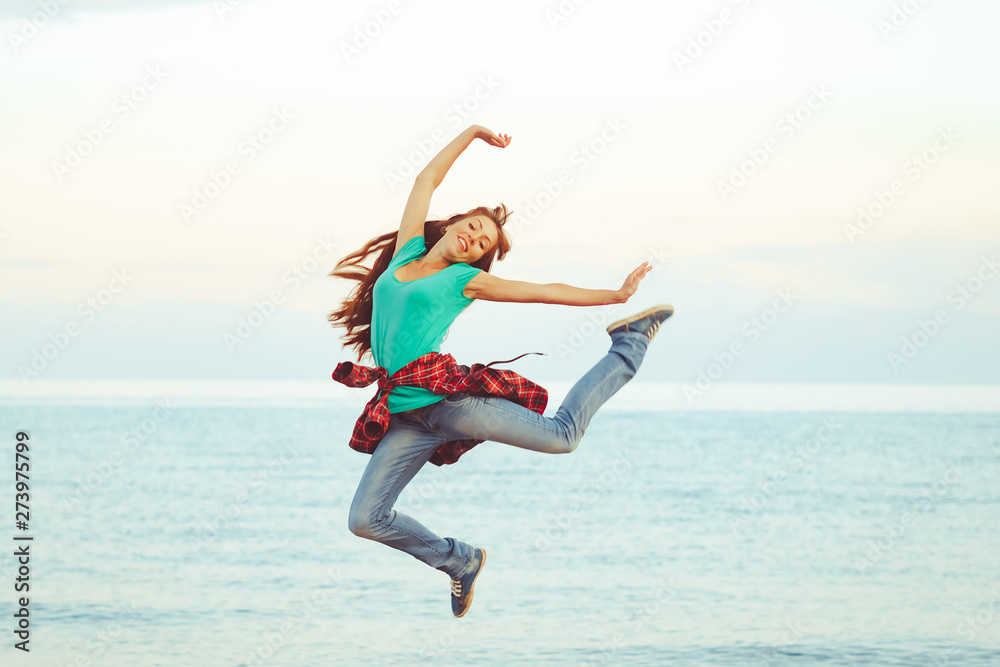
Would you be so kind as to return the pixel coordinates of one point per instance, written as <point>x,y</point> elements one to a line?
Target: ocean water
<point>167,534</point>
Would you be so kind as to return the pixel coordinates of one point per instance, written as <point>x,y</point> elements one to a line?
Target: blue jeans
<point>413,437</point>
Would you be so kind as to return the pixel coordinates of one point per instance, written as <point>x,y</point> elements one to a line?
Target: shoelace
<point>456,588</point>
<point>652,330</point>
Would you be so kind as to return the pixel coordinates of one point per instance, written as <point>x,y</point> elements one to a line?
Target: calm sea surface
<point>217,535</point>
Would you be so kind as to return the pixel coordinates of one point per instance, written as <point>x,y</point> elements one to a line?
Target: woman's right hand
<point>493,139</point>
<point>632,282</point>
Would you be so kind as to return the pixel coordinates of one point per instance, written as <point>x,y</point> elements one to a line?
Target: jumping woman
<point>429,408</point>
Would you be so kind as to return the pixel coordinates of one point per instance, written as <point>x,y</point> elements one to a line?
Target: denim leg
<point>500,420</point>
<point>403,450</point>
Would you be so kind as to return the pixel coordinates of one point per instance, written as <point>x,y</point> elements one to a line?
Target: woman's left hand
<point>632,282</point>
<point>493,139</point>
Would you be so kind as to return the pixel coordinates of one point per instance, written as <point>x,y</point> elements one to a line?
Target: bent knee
<point>362,524</point>
<point>565,443</point>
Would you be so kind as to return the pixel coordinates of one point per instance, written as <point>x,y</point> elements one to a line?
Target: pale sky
<point>113,119</point>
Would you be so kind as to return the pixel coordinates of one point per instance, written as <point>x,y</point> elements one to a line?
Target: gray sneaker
<point>647,322</point>
<point>462,589</point>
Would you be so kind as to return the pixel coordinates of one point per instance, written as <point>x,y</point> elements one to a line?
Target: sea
<point>186,528</point>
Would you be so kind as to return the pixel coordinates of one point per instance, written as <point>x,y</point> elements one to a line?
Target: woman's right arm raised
<point>415,212</point>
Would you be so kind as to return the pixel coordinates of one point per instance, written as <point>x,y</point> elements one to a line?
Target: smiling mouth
<point>461,242</point>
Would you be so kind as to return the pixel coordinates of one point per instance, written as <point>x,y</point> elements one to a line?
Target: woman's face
<point>469,239</point>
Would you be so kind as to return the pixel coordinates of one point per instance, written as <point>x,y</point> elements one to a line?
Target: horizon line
<point>636,395</point>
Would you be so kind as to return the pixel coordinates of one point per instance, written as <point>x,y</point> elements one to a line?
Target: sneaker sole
<point>472,587</point>
<point>639,316</point>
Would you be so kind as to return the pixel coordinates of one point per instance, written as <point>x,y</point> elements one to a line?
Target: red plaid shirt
<point>442,375</point>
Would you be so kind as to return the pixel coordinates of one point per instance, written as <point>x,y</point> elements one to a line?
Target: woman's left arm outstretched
<point>487,287</point>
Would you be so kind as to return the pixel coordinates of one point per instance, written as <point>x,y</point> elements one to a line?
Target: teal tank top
<point>410,319</point>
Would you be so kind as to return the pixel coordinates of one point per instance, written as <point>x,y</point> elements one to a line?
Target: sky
<point>814,184</point>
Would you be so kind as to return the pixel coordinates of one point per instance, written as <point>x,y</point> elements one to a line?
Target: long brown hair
<point>355,313</point>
